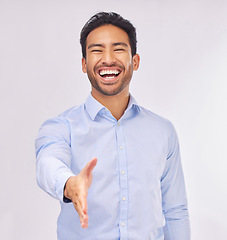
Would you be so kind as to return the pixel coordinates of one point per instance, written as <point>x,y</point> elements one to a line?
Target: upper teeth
<point>103,72</point>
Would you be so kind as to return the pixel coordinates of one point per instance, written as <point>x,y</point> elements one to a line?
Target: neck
<point>116,104</point>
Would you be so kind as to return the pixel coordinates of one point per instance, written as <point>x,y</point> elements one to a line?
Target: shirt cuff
<point>60,185</point>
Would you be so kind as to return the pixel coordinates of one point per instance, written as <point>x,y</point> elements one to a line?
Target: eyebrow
<point>95,45</point>
<point>120,43</point>
<point>101,45</point>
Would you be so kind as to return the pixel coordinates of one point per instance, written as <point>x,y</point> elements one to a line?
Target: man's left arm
<point>174,199</point>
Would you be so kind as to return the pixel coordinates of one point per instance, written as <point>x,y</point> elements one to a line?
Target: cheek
<point>128,66</point>
<point>89,65</point>
<point>127,61</point>
<point>92,62</point>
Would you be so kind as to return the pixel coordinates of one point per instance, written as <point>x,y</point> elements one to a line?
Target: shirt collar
<point>94,107</point>
<point>132,103</point>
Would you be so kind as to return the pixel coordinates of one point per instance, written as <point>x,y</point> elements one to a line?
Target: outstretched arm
<point>53,153</point>
<point>53,156</point>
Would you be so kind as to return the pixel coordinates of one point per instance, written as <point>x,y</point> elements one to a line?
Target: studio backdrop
<point>182,77</point>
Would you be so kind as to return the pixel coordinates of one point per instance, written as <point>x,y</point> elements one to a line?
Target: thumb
<point>90,166</point>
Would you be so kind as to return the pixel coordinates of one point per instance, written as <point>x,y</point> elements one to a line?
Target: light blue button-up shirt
<point>138,190</point>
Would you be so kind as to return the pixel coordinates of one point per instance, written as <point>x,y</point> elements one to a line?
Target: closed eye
<point>96,50</point>
<point>119,49</point>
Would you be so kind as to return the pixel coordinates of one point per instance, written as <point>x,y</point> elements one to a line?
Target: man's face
<point>109,63</point>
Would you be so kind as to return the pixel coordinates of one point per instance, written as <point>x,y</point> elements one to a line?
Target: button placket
<point>123,181</point>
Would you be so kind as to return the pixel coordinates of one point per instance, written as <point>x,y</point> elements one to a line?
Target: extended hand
<point>76,189</point>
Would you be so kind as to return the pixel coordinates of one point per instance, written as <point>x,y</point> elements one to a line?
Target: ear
<point>84,65</point>
<point>136,62</point>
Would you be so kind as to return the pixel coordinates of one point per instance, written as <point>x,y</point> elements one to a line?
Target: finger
<point>77,206</point>
<point>90,166</point>
<point>84,224</point>
<point>83,202</point>
<point>82,215</point>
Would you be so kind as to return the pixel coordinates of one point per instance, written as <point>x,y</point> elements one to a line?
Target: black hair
<point>105,18</point>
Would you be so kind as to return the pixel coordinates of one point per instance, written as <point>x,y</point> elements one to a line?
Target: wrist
<point>66,197</point>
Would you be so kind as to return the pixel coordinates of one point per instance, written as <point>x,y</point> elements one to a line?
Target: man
<point>110,159</point>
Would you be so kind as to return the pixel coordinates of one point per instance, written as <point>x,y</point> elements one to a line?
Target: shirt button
<point>123,198</point>
<point>118,124</point>
<point>122,224</point>
<point>121,147</point>
<point>123,172</point>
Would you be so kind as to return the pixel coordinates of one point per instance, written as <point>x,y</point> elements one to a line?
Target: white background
<point>183,77</point>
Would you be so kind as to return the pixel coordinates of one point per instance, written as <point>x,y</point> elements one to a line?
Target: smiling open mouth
<point>109,74</point>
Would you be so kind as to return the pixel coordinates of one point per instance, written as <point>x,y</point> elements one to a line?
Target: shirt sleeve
<point>174,199</point>
<point>53,157</point>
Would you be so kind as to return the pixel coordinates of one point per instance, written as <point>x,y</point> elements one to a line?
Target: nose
<point>108,57</point>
